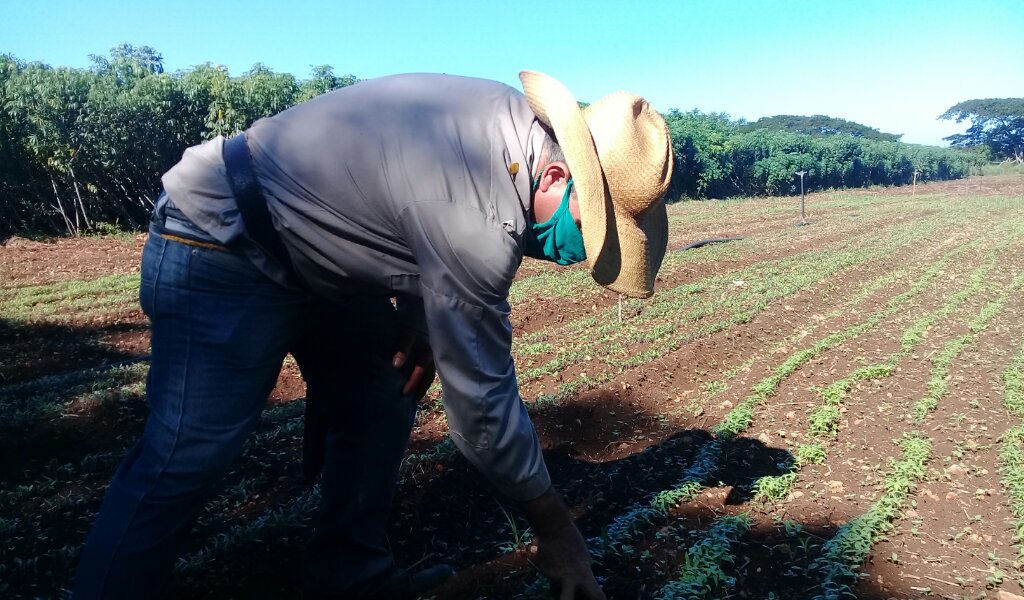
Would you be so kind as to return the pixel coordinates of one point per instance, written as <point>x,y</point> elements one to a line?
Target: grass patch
<point>39,301</point>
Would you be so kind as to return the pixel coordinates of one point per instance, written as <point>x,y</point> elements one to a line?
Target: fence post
<point>803,213</point>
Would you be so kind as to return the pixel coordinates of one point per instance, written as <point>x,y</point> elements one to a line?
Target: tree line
<point>84,149</point>
<point>719,158</point>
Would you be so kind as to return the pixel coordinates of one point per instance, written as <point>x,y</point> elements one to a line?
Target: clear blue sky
<point>891,64</point>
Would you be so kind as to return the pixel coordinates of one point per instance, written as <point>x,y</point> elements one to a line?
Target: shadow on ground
<point>448,513</point>
<point>29,351</point>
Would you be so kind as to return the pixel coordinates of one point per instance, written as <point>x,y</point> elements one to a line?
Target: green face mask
<point>558,239</point>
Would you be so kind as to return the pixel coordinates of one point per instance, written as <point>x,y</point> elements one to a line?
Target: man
<point>296,236</point>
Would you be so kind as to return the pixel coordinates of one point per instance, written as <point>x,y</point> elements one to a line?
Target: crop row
<point>848,549</point>
<point>690,312</point>
<point>852,543</point>
<point>704,564</point>
<point>704,468</point>
<point>49,397</point>
<point>937,383</point>
<point>629,524</point>
<point>1011,452</point>
<point>823,421</point>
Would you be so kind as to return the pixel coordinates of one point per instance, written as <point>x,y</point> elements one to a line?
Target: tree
<point>265,93</point>
<point>127,64</point>
<point>322,80</point>
<point>819,126</point>
<point>49,105</point>
<point>700,143</point>
<point>997,123</point>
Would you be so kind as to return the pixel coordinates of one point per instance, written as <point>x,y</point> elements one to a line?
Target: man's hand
<point>561,552</point>
<point>414,357</point>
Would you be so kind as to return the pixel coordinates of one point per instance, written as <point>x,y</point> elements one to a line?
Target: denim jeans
<point>220,330</point>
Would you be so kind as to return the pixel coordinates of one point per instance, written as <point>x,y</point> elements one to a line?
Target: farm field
<point>826,411</point>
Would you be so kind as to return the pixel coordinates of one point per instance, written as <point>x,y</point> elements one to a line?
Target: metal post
<point>803,214</point>
<point>913,194</point>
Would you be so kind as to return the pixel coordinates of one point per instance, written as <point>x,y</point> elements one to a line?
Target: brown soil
<point>610,447</point>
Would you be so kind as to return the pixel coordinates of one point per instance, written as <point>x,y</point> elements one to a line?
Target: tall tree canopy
<point>996,123</point>
<point>819,125</point>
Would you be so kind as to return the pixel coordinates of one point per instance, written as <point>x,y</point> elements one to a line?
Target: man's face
<point>550,190</point>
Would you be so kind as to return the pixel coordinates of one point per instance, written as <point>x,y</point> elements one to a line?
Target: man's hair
<point>551,152</point>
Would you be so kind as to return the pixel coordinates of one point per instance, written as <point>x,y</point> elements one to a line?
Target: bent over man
<point>297,235</point>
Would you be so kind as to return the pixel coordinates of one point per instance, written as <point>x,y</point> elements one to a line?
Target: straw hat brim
<point>624,251</point>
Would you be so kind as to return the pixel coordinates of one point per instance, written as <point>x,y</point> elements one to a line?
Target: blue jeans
<point>220,330</point>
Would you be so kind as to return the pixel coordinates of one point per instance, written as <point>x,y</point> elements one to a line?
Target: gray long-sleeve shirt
<point>406,185</point>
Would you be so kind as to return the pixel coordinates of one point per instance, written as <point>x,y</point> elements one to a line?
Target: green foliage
<point>703,571</point>
<point>322,80</point>
<point>84,146</point>
<point>824,421</point>
<point>820,126</point>
<point>774,488</point>
<point>700,143</point>
<point>811,454</point>
<point>1012,452</point>
<point>1014,386</point>
<point>996,123</point>
<point>81,146</point>
<point>717,158</point>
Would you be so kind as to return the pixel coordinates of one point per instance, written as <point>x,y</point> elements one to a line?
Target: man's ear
<point>554,173</point>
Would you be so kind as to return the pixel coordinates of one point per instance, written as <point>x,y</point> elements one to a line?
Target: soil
<point>608,447</point>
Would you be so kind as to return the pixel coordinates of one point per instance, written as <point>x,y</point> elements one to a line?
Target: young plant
<point>704,572</point>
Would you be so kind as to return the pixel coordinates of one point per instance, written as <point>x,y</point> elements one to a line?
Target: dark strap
<point>251,203</point>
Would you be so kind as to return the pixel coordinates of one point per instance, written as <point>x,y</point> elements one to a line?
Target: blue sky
<point>891,64</point>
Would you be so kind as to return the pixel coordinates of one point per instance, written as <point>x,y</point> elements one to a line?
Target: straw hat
<point>620,156</point>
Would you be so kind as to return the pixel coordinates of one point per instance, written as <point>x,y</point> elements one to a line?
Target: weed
<point>520,537</point>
